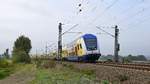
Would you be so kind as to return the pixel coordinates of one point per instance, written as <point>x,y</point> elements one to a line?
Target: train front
<point>92,48</point>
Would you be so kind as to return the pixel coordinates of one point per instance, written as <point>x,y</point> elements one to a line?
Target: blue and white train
<point>84,49</point>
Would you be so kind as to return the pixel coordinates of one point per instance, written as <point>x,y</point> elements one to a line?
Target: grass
<point>4,72</point>
<point>87,71</point>
<point>7,68</point>
<point>61,74</point>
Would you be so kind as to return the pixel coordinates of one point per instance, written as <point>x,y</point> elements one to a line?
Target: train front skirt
<point>85,58</point>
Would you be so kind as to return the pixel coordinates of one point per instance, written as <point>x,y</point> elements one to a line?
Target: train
<point>83,49</point>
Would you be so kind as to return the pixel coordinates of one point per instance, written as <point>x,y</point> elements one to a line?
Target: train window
<point>80,46</point>
<point>91,43</point>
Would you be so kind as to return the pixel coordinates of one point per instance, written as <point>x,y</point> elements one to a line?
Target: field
<point>51,72</point>
<point>45,73</point>
<point>61,73</point>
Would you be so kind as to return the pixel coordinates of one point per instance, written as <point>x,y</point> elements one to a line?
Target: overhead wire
<point>105,31</point>
<point>72,18</point>
<point>70,29</point>
<point>138,23</point>
<point>102,13</point>
<point>113,4</point>
<point>129,9</point>
<point>133,15</point>
<point>107,8</point>
<point>132,7</point>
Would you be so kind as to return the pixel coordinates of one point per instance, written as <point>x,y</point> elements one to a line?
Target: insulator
<point>79,5</point>
<point>80,10</point>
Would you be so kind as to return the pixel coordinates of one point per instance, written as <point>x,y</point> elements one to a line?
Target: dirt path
<point>23,76</point>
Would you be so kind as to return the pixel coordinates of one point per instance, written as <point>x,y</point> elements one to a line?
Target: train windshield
<point>91,43</point>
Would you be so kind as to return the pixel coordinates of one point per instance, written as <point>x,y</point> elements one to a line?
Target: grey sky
<point>38,19</point>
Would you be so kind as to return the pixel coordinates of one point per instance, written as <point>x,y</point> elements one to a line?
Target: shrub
<point>70,66</point>
<point>5,63</point>
<point>49,64</point>
<point>105,82</point>
<point>123,77</point>
<point>46,64</point>
<point>6,67</point>
<point>20,56</point>
<point>88,71</point>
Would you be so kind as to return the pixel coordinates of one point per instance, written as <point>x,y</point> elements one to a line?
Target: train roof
<point>89,36</point>
<point>83,36</point>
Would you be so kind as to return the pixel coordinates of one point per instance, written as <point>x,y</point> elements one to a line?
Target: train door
<point>79,50</point>
<point>76,50</point>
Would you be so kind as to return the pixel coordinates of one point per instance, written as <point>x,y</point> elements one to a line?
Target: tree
<point>23,43</point>
<point>141,57</point>
<point>135,58</point>
<point>6,54</point>
<point>21,49</point>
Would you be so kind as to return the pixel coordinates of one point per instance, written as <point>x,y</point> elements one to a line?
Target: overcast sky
<point>38,20</point>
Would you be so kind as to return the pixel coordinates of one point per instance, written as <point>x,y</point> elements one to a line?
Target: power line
<point>132,7</point>
<point>132,16</point>
<point>70,29</point>
<point>107,8</point>
<point>105,31</point>
<point>94,8</point>
<point>129,9</point>
<point>138,23</point>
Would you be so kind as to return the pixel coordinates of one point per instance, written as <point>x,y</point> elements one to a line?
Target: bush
<point>45,64</point>
<point>20,56</point>
<point>88,71</point>
<point>4,73</point>
<point>105,82</point>
<point>123,77</point>
<point>5,63</point>
<point>6,67</point>
<point>49,64</point>
<point>70,66</point>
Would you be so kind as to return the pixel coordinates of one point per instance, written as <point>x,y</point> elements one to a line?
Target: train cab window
<point>91,43</point>
<point>80,46</point>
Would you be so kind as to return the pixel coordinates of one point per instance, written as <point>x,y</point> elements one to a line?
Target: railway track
<point>143,67</point>
<point>136,66</point>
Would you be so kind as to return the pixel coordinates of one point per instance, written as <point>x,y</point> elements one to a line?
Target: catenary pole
<point>60,42</point>
<point>116,45</point>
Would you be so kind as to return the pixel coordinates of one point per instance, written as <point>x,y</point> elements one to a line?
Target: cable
<point>129,8</point>
<point>132,7</point>
<point>94,8</point>
<point>70,29</point>
<point>140,22</point>
<point>107,8</point>
<point>105,32</point>
<point>132,16</point>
